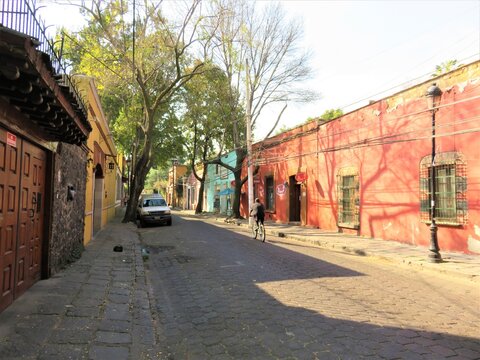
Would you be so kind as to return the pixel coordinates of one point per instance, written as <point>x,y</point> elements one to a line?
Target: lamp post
<point>433,100</point>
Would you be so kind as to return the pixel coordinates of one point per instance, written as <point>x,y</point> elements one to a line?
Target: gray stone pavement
<point>97,308</point>
<point>454,264</point>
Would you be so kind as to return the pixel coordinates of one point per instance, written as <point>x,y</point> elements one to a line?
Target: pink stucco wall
<point>385,141</point>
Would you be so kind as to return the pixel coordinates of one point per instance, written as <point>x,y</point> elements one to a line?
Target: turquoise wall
<point>218,179</point>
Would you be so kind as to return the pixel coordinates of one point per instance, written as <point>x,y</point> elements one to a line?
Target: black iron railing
<point>22,16</point>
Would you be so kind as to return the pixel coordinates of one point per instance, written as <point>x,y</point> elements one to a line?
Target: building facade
<point>369,172</point>
<point>192,190</point>
<point>219,186</point>
<point>104,187</point>
<point>176,184</point>
<point>43,131</point>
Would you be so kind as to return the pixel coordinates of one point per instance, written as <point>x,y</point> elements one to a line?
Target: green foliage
<point>211,109</point>
<point>282,129</point>
<point>140,68</point>
<point>326,116</point>
<point>331,114</point>
<point>445,67</point>
<point>137,90</point>
<point>157,180</point>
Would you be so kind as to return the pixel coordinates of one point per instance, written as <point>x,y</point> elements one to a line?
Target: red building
<point>368,172</point>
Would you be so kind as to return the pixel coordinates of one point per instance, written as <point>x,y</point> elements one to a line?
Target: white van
<point>153,209</point>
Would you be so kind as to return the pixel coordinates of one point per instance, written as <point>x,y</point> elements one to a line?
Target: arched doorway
<point>98,199</point>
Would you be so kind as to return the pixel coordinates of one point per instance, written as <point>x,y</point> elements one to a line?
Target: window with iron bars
<point>270,193</point>
<point>450,193</point>
<point>348,198</point>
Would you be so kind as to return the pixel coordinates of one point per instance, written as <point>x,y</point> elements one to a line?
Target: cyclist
<point>258,212</point>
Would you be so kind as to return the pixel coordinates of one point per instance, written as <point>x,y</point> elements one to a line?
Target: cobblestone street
<point>208,291</point>
<point>221,295</point>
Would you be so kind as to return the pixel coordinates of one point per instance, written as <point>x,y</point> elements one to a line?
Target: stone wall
<point>66,242</point>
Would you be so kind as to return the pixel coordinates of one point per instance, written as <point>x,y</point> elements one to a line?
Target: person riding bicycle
<point>258,211</point>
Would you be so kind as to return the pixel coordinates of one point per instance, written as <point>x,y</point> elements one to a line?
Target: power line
<point>370,126</point>
<point>363,143</point>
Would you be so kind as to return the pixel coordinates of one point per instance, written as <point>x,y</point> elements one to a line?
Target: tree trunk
<point>137,184</point>
<point>199,208</point>
<point>241,154</point>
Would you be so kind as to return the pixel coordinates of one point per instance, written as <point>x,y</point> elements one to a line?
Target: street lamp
<point>174,181</point>
<point>433,95</point>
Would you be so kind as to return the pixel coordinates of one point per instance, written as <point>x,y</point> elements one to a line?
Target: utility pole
<point>248,119</point>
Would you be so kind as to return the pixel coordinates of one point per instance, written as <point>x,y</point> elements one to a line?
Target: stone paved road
<point>221,295</point>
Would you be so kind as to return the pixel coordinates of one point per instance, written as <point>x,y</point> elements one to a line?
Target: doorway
<point>22,212</point>
<point>295,199</point>
<point>97,200</point>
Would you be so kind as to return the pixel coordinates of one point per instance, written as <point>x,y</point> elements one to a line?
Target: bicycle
<point>258,230</point>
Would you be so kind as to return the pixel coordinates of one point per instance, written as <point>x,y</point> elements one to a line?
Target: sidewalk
<point>454,264</point>
<point>97,308</point>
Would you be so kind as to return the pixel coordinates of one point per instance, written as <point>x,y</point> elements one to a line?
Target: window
<point>223,172</point>
<point>270,193</point>
<point>119,188</point>
<point>450,189</point>
<point>348,198</point>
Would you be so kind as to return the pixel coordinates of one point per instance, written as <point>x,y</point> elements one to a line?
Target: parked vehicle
<point>153,209</point>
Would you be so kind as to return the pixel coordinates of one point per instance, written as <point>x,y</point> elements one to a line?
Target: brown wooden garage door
<point>22,189</point>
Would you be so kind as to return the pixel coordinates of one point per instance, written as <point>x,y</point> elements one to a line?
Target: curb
<point>417,263</point>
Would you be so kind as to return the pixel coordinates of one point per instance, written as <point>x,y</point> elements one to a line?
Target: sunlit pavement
<point>221,295</point>
<point>454,264</point>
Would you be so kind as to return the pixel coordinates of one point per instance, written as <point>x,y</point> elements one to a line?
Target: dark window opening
<point>269,193</point>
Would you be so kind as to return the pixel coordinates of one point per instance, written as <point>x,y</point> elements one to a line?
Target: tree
<point>261,37</point>
<point>157,181</point>
<point>140,66</point>
<point>207,116</point>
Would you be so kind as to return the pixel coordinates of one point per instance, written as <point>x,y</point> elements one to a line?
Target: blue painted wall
<point>218,179</point>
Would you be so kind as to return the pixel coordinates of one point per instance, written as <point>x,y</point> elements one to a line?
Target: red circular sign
<point>301,177</point>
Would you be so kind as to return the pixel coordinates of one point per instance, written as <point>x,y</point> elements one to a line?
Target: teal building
<point>219,186</point>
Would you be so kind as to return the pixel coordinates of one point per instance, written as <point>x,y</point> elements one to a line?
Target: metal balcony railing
<point>22,16</point>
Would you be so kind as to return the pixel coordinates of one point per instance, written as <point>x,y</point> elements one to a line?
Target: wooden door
<point>9,196</point>
<point>22,189</point>
<point>295,199</point>
<point>31,211</point>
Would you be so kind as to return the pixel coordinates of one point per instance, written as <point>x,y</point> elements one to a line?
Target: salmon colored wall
<point>385,142</point>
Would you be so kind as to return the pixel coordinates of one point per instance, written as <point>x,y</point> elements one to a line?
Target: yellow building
<point>176,183</point>
<point>104,188</point>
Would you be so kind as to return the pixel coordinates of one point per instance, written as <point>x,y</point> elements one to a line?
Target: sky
<point>362,50</point>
